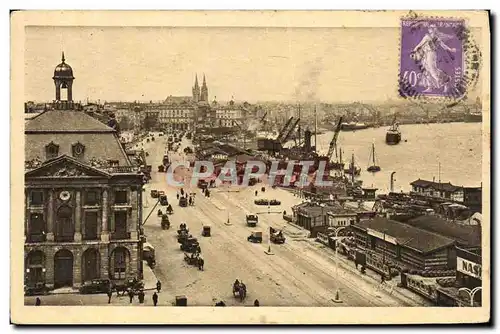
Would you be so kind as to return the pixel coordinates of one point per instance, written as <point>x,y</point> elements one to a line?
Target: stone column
<point>78,216</point>
<point>105,210</point>
<point>104,264</point>
<point>49,266</point>
<point>50,216</point>
<point>77,267</point>
<point>132,220</point>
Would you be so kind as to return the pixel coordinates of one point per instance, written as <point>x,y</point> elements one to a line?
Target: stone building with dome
<point>83,197</point>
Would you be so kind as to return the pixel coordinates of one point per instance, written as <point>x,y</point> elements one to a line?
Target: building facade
<point>83,201</point>
<point>230,115</point>
<point>437,189</point>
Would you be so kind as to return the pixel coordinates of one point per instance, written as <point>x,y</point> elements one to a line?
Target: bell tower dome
<point>63,79</point>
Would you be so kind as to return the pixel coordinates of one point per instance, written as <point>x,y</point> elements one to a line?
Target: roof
<point>65,121</point>
<point>469,235</point>
<point>66,128</point>
<point>407,235</point>
<point>435,185</point>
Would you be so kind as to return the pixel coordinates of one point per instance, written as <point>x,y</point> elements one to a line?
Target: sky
<point>249,64</point>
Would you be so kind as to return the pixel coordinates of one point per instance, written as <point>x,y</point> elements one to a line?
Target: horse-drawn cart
<point>165,222</point>
<point>240,290</point>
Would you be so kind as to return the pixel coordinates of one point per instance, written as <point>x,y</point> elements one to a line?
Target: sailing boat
<point>374,167</point>
<point>353,169</point>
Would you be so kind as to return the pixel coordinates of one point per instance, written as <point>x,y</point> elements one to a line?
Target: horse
<point>120,289</point>
<point>201,263</point>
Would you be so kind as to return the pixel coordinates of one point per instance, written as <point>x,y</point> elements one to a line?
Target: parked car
<point>35,289</point>
<point>95,286</point>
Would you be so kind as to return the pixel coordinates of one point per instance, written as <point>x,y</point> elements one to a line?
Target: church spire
<point>204,81</point>
<point>196,80</point>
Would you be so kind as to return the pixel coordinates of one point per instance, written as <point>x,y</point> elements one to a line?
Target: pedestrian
<point>256,303</point>
<point>256,192</point>
<point>110,294</point>
<point>158,286</point>
<point>382,279</point>
<point>131,295</point>
<point>155,298</point>
<point>141,295</point>
<point>177,195</point>
<point>38,302</point>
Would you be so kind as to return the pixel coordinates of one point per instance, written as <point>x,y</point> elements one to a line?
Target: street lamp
<point>269,252</point>
<point>337,294</point>
<point>227,190</point>
<point>471,293</point>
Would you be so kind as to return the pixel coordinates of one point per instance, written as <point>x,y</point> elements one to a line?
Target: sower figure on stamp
<point>426,53</point>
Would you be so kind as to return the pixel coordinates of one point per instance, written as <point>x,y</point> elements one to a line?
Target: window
<point>121,197</point>
<point>51,150</point>
<point>120,263</point>
<point>36,197</point>
<point>90,226</point>
<point>120,228</point>
<point>78,149</point>
<point>91,197</point>
<point>36,228</point>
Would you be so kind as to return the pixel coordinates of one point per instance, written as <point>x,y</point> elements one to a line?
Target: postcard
<point>259,167</point>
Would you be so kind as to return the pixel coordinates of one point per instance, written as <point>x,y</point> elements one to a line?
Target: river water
<point>456,146</point>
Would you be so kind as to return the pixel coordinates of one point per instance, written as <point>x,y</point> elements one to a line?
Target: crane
<point>263,118</point>
<point>333,143</point>
<point>285,138</point>
<point>284,130</point>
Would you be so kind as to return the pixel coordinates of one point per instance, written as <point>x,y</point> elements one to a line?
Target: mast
<point>299,130</point>
<point>373,153</point>
<point>340,155</point>
<point>315,130</point>
<point>353,169</point>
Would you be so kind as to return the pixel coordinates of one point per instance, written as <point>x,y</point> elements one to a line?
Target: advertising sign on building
<point>468,267</point>
<point>382,236</point>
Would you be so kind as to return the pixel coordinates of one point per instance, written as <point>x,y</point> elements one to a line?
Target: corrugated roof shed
<point>468,235</point>
<point>407,235</point>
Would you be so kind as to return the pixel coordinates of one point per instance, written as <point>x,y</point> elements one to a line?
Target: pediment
<point>65,166</point>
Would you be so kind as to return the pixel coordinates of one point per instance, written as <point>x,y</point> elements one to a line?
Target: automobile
<point>252,220</point>
<point>35,289</point>
<point>163,200</point>
<point>274,202</point>
<point>206,231</point>
<point>256,236</point>
<point>183,202</point>
<point>261,202</point>
<point>95,286</point>
<point>154,193</point>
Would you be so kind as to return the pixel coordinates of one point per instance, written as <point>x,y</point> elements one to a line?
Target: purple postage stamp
<point>431,59</point>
